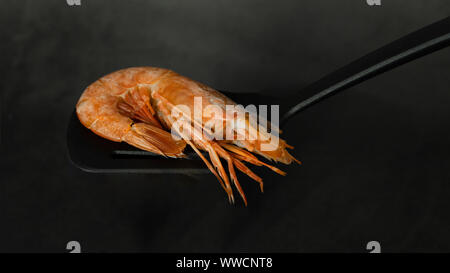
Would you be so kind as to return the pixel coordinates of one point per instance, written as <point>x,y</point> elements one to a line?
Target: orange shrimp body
<point>137,105</point>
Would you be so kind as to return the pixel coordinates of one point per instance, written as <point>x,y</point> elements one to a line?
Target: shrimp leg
<point>135,104</point>
<point>225,155</point>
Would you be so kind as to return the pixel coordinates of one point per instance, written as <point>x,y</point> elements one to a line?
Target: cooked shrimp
<point>154,109</point>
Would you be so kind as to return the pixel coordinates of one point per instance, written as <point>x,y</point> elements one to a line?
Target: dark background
<point>376,158</point>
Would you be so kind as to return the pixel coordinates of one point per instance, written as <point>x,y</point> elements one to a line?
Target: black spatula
<point>92,153</point>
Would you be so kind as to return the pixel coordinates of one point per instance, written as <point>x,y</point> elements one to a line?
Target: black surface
<point>375,157</point>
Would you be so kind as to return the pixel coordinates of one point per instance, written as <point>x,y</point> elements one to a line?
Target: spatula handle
<point>410,47</point>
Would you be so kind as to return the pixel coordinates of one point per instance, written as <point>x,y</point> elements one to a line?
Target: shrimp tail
<point>153,139</point>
